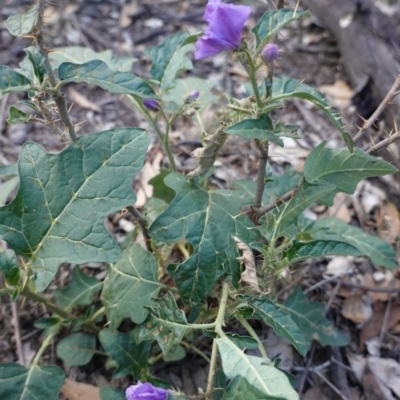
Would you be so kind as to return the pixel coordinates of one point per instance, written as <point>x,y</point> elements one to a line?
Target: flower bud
<point>151,104</point>
<point>195,94</point>
<point>270,52</point>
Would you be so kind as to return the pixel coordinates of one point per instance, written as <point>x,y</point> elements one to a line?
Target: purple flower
<point>195,94</point>
<point>225,25</point>
<point>145,391</point>
<point>151,104</point>
<point>270,52</point>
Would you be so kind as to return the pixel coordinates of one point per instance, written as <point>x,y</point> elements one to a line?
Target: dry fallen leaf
<point>357,308</point>
<point>388,222</point>
<point>128,10</point>
<point>80,391</point>
<point>249,275</point>
<point>373,390</point>
<point>339,93</point>
<point>387,281</point>
<point>387,373</point>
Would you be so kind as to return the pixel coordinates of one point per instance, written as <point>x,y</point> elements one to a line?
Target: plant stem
<point>219,322</point>
<point>196,350</point>
<point>166,142</point>
<point>143,225</point>
<point>253,334</point>
<point>253,81</point>
<point>97,314</point>
<point>260,182</point>
<point>53,332</point>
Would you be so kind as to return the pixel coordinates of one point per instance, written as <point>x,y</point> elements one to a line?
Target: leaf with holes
<point>20,383</point>
<point>58,213</point>
<point>207,220</point>
<point>309,316</point>
<point>22,24</point>
<point>169,59</point>
<point>123,348</point>
<point>256,370</point>
<point>99,74</point>
<point>166,323</point>
<point>281,322</point>
<point>130,286</point>
<point>76,349</point>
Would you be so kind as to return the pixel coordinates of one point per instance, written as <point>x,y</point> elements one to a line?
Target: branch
<point>369,122</point>
<point>59,97</point>
<point>384,143</point>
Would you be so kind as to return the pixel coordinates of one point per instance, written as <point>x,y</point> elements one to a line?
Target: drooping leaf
<point>281,322</point>
<point>110,393</point>
<point>309,316</point>
<point>285,88</point>
<point>99,74</point>
<point>131,357</point>
<point>380,252</point>
<point>343,169</point>
<point>239,388</point>
<point>12,81</point>
<point>80,290</point>
<point>36,382</point>
<point>166,323</point>
<point>17,116</point>
<point>206,220</point>
<point>265,378</point>
<point>76,349</point>
<point>9,266</point>
<point>82,55</point>
<point>63,198</point>
<point>32,66</point>
<point>22,24</point>
<point>130,285</point>
<point>169,59</point>
<point>7,188</point>
<point>273,21</point>
<point>320,248</point>
<point>261,129</point>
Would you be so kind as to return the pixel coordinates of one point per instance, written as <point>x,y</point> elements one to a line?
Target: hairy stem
<point>253,334</point>
<point>252,75</point>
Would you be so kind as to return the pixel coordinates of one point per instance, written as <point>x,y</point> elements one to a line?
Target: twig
<point>370,288</point>
<point>331,385</point>
<point>385,320</point>
<point>326,280</point>
<point>17,333</point>
<point>333,294</point>
<point>307,368</point>
<point>143,225</point>
<point>384,143</point>
<point>260,182</point>
<point>369,122</point>
<point>59,97</point>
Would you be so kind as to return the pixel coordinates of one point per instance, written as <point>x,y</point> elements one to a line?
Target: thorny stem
<point>219,322</point>
<point>253,334</point>
<point>59,97</point>
<point>143,225</point>
<point>253,81</point>
<point>53,332</point>
<point>196,350</point>
<point>260,182</point>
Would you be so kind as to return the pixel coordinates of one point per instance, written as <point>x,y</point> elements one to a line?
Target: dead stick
<point>384,143</point>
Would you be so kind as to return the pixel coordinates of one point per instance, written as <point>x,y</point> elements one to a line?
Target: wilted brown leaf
<point>388,222</point>
<point>357,308</point>
<point>80,391</point>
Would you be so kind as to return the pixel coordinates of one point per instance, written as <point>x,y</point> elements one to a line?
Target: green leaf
<point>343,169</point>
<point>32,66</point>
<point>265,378</point>
<point>169,59</point>
<point>261,129</point>
<point>47,322</point>
<point>8,170</point>
<point>65,198</point>
<point>9,266</point>
<point>309,316</point>
<point>20,383</point>
<point>320,248</point>
<point>7,188</point>
<point>281,322</point>
<point>161,190</point>
<point>76,349</point>
<point>130,286</point>
<point>207,220</point>
<point>109,393</point>
<point>166,323</point>
<point>130,356</point>
<point>12,81</point>
<point>177,353</point>
<point>22,24</point>
<point>273,21</point>
<point>286,88</point>
<point>82,55</point>
<point>380,252</point>
<point>99,74</point>
<point>16,116</point>
<point>80,290</point>
<point>239,388</point>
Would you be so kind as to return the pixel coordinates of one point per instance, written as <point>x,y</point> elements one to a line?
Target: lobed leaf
<point>57,215</point>
<point>12,81</point>
<point>99,74</point>
<point>281,322</point>
<point>22,24</point>
<point>36,382</point>
<point>309,316</point>
<point>130,286</point>
<point>265,378</point>
<point>166,323</point>
<point>130,356</point>
<point>207,220</point>
<point>80,290</point>
<point>76,349</point>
